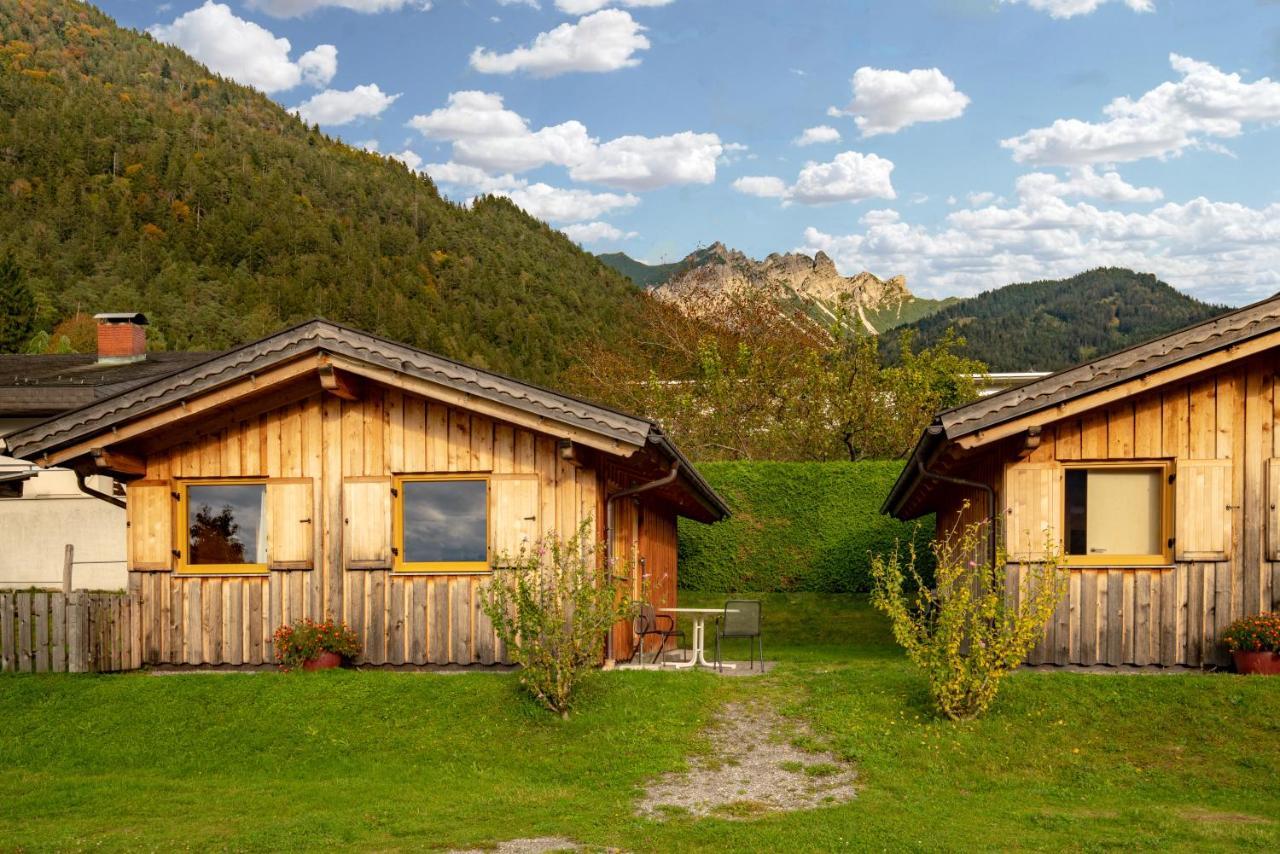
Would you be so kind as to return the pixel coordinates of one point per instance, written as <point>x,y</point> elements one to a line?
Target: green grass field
<point>399,760</point>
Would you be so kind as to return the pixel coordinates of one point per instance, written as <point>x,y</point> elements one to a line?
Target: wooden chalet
<point>324,471</point>
<point>1155,472</point>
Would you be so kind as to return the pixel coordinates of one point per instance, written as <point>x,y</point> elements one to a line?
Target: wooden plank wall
<point>402,619</point>
<point>1173,616</point>
<point>47,631</point>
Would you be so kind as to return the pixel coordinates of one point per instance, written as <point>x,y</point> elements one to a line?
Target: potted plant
<point>1254,643</point>
<point>314,645</point>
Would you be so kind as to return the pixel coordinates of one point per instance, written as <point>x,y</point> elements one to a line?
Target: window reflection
<point>445,521</point>
<point>225,523</point>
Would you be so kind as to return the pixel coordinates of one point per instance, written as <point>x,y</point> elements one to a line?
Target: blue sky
<point>979,141</point>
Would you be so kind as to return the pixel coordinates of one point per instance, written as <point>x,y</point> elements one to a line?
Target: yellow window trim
<point>399,564</point>
<point>1165,558</point>
<point>184,568</point>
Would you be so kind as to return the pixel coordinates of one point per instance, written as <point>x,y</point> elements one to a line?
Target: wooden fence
<point>48,631</point>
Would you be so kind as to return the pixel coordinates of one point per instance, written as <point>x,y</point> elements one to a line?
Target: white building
<point>42,510</point>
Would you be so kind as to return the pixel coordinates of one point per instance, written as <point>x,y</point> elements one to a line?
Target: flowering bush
<point>307,639</point>
<point>1259,633</point>
<point>964,632</point>
<point>551,606</point>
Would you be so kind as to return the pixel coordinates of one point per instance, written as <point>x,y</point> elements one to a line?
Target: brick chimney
<point>122,337</point>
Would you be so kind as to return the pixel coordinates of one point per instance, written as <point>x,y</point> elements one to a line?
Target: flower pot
<point>324,661</point>
<point>1261,663</point>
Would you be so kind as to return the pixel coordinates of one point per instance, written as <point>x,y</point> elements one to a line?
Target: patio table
<point>699,616</point>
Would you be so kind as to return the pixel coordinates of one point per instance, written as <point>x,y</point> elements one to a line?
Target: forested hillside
<point>134,179</point>
<point>1049,325</point>
<point>645,275</point>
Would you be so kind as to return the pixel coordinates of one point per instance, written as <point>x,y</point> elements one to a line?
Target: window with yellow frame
<point>223,525</point>
<point>441,523</point>
<point>1118,514</point>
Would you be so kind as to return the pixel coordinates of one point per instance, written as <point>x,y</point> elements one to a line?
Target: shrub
<point>796,527</point>
<point>1259,633</point>
<point>551,607</point>
<point>964,632</point>
<point>306,639</point>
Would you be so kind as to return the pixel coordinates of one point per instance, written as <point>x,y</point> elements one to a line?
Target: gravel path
<point>755,768</point>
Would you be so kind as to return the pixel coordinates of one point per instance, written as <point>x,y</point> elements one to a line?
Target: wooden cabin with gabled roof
<point>1154,472</point>
<point>325,471</point>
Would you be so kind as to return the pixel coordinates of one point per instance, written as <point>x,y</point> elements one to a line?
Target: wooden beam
<point>118,463</point>
<point>201,405</point>
<point>474,403</point>
<point>339,383</point>
<point>1094,400</point>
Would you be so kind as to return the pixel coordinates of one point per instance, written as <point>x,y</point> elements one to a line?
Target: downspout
<point>666,479</point>
<point>93,493</point>
<point>973,484</point>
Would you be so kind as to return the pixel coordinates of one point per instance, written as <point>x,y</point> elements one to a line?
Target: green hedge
<point>795,526</point>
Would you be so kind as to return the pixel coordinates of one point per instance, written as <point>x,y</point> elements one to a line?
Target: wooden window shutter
<point>1202,510</point>
<point>366,528</point>
<point>514,501</point>
<point>1273,509</point>
<point>151,510</point>
<point>1033,498</point>
<point>290,526</point>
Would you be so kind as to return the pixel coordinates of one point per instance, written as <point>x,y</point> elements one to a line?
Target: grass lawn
<point>397,760</point>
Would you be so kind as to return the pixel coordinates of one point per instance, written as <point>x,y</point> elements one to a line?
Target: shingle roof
<point>322,335</point>
<point>1227,330</point>
<point>46,385</point>
<point>1189,343</point>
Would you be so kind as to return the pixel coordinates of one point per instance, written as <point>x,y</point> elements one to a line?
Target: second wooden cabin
<point>1155,472</point>
<point>323,471</point>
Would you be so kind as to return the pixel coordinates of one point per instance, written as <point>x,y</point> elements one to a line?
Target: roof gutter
<point>81,476</point>
<point>927,450</point>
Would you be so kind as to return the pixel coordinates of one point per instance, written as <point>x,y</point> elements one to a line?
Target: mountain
<point>133,178</point>
<point>644,275</point>
<point>872,304</point>
<point>1050,325</point>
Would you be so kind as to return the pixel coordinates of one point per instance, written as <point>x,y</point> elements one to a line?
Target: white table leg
<point>699,656</point>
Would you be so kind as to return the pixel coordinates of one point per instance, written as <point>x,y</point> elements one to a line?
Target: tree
<point>966,631</point>
<point>749,375</point>
<point>17,307</point>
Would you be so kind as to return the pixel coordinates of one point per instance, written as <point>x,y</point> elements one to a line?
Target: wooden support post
<point>68,558</point>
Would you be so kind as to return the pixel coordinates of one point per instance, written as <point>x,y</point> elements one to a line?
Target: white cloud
<point>605,41</point>
<point>556,204</point>
<point>532,4</point>
<point>553,204</point>
<point>764,186</point>
<point>979,199</point>
<point>817,135</point>
<point>408,158</point>
<point>486,135</point>
<point>1216,250</point>
<point>1086,183</point>
<point>583,7</point>
<point>1205,104</point>
<point>470,115</point>
<point>367,145</point>
<point>595,232</point>
<point>298,8</point>
<point>649,162</point>
<point>886,101</point>
<point>337,107</point>
<point>318,65</point>
<point>1071,8</point>
<point>471,178</point>
<point>244,51</point>
<point>850,177</point>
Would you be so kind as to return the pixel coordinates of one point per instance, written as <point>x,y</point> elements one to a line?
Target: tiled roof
<point>47,385</point>
<point>1227,330</point>
<point>324,336</point>
<point>1189,343</point>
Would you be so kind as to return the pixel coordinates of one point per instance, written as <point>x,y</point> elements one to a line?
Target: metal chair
<point>743,622</point>
<point>649,623</point>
